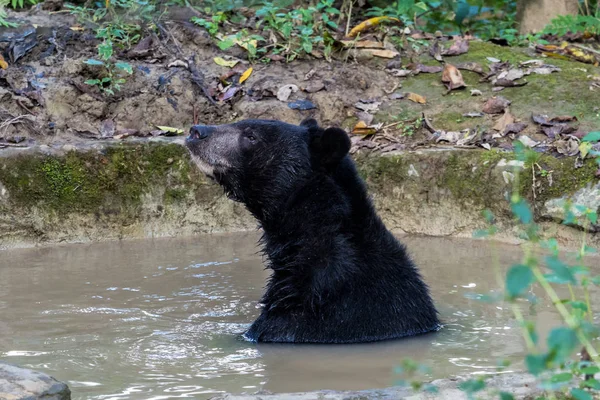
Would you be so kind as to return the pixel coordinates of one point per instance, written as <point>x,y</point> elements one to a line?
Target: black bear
<point>338,275</point>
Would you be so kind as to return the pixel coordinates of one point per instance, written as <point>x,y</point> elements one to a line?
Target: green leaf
<point>307,47</point>
<point>530,326</point>
<point>580,394</point>
<point>590,370</point>
<point>562,273</point>
<point>92,61</point>
<point>125,67</point>
<point>593,217</point>
<point>536,363</point>
<point>92,82</point>
<point>506,396</point>
<point>225,44</point>
<point>332,24</point>
<point>518,278</point>
<point>472,385</point>
<point>591,383</point>
<point>562,377</point>
<point>105,50</point>
<point>579,305</point>
<point>592,137</point>
<point>562,342</point>
<point>521,210</point>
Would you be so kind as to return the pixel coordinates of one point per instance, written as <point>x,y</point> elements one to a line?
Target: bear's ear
<point>309,123</point>
<point>328,147</point>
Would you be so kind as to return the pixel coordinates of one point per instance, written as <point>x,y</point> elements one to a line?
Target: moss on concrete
<point>111,181</point>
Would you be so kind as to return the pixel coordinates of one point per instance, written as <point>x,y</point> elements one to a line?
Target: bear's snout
<point>198,132</point>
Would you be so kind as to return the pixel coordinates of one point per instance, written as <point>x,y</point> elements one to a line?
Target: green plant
<point>4,16</point>
<point>553,364</point>
<point>563,24</point>
<point>211,25</point>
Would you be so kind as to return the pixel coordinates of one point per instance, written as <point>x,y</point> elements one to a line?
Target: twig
<point>198,78</point>
<point>586,48</point>
<point>349,17</point>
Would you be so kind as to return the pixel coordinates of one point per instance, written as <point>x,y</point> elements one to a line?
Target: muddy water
<point>162,319</point>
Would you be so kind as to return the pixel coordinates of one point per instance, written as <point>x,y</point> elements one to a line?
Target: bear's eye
<point>251,138</point>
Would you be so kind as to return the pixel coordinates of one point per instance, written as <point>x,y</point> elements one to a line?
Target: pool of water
<point>161,319</point>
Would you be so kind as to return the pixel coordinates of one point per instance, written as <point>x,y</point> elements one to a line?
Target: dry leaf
<point>284,92</point>
<point>417,98</point>
<point>384,53</point>
<point>515,128</point>
<point>460,46</point>
<point>224,63</point>
<point>362,128</point>
<point>495,105</point>
<point>363,44</point>
<point>3,64</point>
<point>505,120</point>
<point>452,77</point>
<point>246,75</point>
<point>363,26</point>
<point>77,28</point>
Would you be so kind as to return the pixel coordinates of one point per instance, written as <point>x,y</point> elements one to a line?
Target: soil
<point>45,100</point>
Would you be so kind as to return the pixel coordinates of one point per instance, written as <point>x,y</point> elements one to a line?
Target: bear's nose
<point>198,132</point>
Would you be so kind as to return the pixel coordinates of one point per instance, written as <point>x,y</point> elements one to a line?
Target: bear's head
<point>261,162</point>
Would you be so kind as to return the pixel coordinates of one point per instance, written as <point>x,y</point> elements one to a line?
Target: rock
<point>589,197</point>
<point>18,383</point>
<point>521,386</point>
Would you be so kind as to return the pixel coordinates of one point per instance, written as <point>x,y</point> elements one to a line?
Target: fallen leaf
<point>365,117</point>
<point>476,92</point>
<point>568,147</point>
<point>397,96</point>
<point>77,28</point>
<point>361,128</point>
<point>471,66</point>
<point>428,69</point>
<point>229,93</point>
<point>417,98</point>
<point>170,129</point>
<point>401,73</point>
<point>3,64</point>
<point>178,63</point>
<point>363,44</point>
<point>460,46</point>
<point>541,119</point>
<point>495,105</point>
<point>371,22</point>
<point>514,128</point>
<point>310,74</point>
<point>224,63</point>
<point>563,118</point>
<point>584,149</point>
<point>512,74</point>
<point>537,63</point>
<point>505,120</point>
<point>527,141</point>
<point>493,59</point>
<point>245,75</point>
<point>301,105</point>
<point>368,106</point>
<point>558,129</point>
<point>473,114</point>
<point>384,53</point>
<point>452,77</point>
<point>284,92</point>
<point>435,51</point>
<point>508,83</point>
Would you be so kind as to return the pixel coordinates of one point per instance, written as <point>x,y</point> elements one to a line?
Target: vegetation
<point>559,373</point>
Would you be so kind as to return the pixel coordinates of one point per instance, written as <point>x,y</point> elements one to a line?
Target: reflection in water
<point>162,319</point>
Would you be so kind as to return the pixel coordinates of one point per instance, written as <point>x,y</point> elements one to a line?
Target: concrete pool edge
<point>520,385</point>
<point>18,383</point>
<point>112,190</point>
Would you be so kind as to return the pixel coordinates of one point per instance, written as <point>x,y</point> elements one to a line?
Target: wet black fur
<point>338,275</point>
